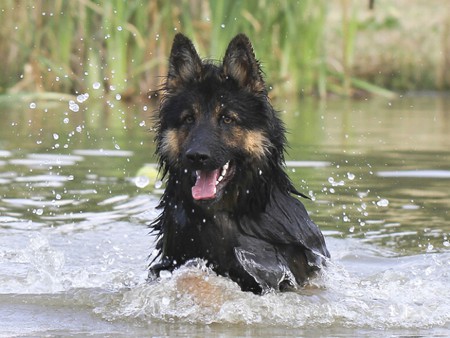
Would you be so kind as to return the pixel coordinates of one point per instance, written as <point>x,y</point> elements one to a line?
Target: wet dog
<point>228,199</point>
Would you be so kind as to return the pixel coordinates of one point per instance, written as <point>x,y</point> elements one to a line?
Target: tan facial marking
<point>170,144</point>
<point>255,143</point>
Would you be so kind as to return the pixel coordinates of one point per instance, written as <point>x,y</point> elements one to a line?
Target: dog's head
<point>217,134</point>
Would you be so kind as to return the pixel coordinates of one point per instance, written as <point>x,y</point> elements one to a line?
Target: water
<point>77,191</point>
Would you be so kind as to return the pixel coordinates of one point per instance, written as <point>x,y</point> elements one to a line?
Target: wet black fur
<point>257,233</point>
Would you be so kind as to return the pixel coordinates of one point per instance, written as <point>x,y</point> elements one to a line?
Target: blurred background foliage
<point>319,47</point>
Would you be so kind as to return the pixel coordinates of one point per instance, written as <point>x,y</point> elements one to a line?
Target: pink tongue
<point>205,187</point>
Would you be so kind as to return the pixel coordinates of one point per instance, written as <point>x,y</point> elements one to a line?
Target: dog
<point>228,199</point>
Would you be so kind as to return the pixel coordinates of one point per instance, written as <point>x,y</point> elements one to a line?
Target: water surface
<point>74,240</point>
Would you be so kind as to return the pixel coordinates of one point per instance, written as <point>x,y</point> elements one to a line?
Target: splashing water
<point>142,181</point>
<point>387,298</point>
<point>361,288</point>
<point>73,106</point>
<point>82,97</point>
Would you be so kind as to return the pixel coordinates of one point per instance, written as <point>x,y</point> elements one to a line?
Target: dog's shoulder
<point>281,246</point>
<point>285,221</point>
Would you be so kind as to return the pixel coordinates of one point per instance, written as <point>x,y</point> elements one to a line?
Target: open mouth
<point>210,184</point>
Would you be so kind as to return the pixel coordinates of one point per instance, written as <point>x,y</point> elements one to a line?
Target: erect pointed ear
<point>184,63</point>
<point>240,64</point>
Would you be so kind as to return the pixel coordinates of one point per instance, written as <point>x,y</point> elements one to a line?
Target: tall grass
<point>121,47</point>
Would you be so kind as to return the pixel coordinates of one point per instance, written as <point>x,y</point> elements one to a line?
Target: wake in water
<point>410,292</point>
<point>363,287</point>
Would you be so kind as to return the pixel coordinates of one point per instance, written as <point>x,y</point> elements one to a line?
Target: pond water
<point>74,241</point>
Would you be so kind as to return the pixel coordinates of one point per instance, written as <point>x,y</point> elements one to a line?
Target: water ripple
<point>415,173</point>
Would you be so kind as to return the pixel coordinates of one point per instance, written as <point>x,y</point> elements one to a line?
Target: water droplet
<point>141,181</point>
<point>55,136</point>
<point>350,176</point>
<point>82,97</point>
<point>118,97</point>
<point>222,25</point>
<point>119,28</point>
<point>383,202</point>
<point>32,105</point>
<point>362,194</point>
<point>66,120</point>
<point>446,243</point>
<point>39,211</point>
<point>142,124</point>
<point>96,85</point>
<point>165,301</point>
<point>73,106</point>
<point>158,184</point>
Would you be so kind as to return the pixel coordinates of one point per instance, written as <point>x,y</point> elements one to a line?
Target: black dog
<point>228,200</point>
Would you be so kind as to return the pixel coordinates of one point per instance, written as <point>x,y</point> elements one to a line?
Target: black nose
<point>198,157</point>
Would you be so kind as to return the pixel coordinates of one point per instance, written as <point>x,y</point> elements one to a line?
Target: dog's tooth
<point>220,178</point>
<point>225,168</point>
<point>197,172</point>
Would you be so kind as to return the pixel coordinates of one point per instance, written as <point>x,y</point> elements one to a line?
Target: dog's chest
<point>218,236</point>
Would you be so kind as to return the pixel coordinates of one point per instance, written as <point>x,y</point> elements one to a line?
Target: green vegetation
<point>121,47</point>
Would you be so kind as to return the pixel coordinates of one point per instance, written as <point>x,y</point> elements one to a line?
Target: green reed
<point>122,46</point>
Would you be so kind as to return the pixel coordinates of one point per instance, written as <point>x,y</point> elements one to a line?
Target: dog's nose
<point>198,157</point>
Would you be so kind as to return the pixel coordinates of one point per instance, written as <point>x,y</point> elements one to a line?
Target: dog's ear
<point>240,64</point>
<point>184,63</point>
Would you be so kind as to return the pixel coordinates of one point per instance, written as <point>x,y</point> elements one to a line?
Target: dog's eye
<point>226,119</point>
<point>189,119</point>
